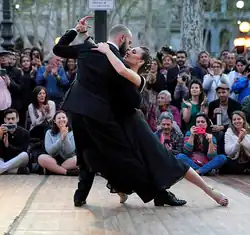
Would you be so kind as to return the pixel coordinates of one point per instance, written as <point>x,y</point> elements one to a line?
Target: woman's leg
<point>216,163</point>
<point>194,178</point>
<point>69,164</point>
<point>48,162</point>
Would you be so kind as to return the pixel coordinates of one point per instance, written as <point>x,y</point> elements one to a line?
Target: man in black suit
<point>224,106</point>
<point>94,97</point>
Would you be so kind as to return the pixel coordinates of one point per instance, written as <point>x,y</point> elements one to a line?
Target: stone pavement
<point>42,205</point>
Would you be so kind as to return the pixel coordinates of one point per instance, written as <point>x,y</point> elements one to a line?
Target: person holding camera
<point>181,89</point>
<point>8,86</point>
<point>14,141</point>
<point>200,148</point>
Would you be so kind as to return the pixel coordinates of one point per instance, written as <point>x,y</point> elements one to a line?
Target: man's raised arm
<point>62,48</point>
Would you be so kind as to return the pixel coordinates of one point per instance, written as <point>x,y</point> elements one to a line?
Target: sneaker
<point>23,171</point>
<point>212,173</point>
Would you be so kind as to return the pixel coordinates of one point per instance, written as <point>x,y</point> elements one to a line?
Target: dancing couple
<point>111,137</point>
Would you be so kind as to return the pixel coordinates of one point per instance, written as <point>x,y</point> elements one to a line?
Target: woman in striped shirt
<point>200,148</point>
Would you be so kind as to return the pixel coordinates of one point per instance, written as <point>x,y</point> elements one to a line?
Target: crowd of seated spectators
<point>201,114</point>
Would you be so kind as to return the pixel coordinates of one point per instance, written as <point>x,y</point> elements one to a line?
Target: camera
<point>184,78</point>
<point>200,131</point>
<point>10,127</point>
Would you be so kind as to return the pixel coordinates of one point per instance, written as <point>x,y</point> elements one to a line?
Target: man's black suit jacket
<point>99,91</point>
<point>233,105</point>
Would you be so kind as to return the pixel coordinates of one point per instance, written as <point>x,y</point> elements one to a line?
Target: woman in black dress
<point>161,167</point>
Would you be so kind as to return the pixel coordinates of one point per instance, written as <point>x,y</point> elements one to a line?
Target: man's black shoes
<point>168,198</point>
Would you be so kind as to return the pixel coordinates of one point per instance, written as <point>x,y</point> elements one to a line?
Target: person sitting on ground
<point>41,112</point>
<point>171,138</point>
<point>224,107</point>
<point>14,141</point>
<point>200,148</point>
<point>237,146</point>
<point>60,146</point>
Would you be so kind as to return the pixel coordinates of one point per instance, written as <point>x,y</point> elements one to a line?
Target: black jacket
<point>98,90</point>
<point>15,86</point>
<point>18,142</point>
<point>233,105</point>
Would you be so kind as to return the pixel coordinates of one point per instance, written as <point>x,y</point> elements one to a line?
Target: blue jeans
<point>214,163</point>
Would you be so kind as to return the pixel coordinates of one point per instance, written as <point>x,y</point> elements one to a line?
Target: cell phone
<point>10,126</point>
<point>200,131</point>
<point>3,72</point>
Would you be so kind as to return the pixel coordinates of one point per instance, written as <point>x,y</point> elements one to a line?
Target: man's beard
<point>123,49</point>
<point>181,63</point>
<point>166,131</point>
<point>223,100</point>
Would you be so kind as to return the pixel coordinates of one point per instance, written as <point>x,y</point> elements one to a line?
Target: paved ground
<point>32,205</point>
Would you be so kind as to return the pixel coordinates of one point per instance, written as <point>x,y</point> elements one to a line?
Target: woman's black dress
<point>152,169</point>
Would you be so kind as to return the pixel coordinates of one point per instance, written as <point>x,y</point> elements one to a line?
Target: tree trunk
<point>73,22</point>
<point>209,24</point>
<point>192,28</point>
<point>36,20</point>
<point>59,9</point>
<point>149,31</point>
<point>68,13</point>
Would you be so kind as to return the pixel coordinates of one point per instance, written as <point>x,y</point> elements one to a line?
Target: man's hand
<point>179,80</point>
<point>217,128</point>
<point>1,132</point>
<point>82,26</point>
<point>217,110</point>
<point>6,140</point>
<point>4,129</point>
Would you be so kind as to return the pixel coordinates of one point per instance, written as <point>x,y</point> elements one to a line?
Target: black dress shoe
<point>78,200</point>
<point>74,172</point>
<point>78,203</point>
<point>168,198</point>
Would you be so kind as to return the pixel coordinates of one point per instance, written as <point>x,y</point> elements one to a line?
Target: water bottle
<point>219,118</point>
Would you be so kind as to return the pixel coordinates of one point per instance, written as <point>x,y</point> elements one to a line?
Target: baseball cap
<point>222,86</point>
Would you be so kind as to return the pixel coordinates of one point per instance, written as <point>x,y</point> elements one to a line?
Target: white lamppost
<point>240,4</point>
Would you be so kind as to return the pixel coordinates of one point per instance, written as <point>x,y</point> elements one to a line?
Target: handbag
<point>199,158</point>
